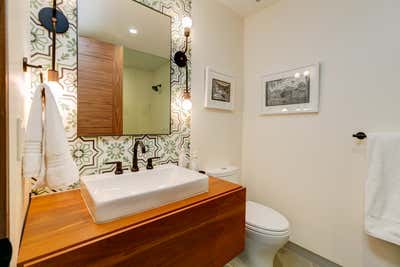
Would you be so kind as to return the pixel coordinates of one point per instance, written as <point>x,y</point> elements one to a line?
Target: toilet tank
<point>228,173</point>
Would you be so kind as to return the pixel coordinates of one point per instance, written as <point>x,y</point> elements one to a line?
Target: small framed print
<point>293,91</point>
<point>220,90</point>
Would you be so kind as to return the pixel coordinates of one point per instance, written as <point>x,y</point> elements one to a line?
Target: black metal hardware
<point>180,59</point>
<point>46,15</point>
<point>119,169</point>
<point>186,92</point>
<point>135,167</point>
<point>202,172</point>
<point>55,22</point>
<point>156,87</point>
<point>26,65</point>
<point>360,135</point>
<point>149,165</point>
<point>5,252</point>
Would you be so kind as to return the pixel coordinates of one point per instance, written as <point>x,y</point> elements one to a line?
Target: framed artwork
<point>293,91</point>
<point>220,90</point>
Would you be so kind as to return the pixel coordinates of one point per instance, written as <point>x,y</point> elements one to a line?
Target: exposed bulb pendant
<point>52,74</point>
<point>55,22</point>
<point>187,101</point>
<point>187,25</point>
<point>180,59</point>
<point>187,98</point>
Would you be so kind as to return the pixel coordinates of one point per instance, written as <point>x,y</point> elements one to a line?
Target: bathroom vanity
<point>204,230</point>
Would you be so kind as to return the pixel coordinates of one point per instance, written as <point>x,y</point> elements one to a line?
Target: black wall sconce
<point>180,59</point>
<point>55,22</point>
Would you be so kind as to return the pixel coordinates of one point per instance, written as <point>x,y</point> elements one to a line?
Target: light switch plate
<point>20,138</point>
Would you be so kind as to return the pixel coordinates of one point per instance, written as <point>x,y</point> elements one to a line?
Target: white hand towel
<point>382,199</point>
<point>57,169</point>
<point>33,162</point>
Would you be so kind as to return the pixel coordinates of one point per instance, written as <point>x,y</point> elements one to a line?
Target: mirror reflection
<point>124,67</point>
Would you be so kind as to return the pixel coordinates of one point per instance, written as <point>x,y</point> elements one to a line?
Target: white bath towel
<point>382,199</point>
<point>47,157</point>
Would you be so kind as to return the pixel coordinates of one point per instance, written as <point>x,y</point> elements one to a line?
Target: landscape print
<point>288,91</point>
<point>221,91</point>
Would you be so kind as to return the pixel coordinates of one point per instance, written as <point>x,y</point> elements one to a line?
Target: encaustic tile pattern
<point>90,153</point>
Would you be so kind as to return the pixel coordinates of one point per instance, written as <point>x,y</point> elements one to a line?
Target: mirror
<point>124,68</point>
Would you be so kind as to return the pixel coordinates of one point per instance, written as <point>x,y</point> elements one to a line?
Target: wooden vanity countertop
<point>61,221</point>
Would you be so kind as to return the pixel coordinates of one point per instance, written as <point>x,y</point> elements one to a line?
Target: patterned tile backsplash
<point>90,153</point>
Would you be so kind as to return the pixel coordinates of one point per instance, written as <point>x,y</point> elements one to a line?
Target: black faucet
<point>135,166</point>
<point>118,169</point>
<point>149,165</point>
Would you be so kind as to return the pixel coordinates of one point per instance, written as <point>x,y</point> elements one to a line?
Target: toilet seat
<point>266,233</point>
<point>265,221</point>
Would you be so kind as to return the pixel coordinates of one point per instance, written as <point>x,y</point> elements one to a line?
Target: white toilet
<point>266,229</point>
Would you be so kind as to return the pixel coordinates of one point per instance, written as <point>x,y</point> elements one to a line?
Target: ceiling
<point>247,7</point>
<point>143,61</point>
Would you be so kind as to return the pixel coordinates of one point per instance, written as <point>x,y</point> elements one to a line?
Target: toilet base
<point>260,250</point>
<point>236,262</point>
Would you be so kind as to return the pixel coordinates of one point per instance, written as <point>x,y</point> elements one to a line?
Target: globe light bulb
<point>187,104</point>
<point>187,22</point>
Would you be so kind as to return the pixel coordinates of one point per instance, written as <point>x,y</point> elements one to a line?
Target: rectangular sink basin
<point>109,196</point>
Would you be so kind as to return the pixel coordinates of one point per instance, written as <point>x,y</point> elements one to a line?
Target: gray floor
<point>293,255</point>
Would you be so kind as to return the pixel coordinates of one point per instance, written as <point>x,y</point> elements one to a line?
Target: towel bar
<point>26,65</point>
<point>360,136</point>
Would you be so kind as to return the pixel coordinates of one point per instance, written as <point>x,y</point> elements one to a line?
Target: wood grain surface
<point>205,230</point>
<point>100,73</point>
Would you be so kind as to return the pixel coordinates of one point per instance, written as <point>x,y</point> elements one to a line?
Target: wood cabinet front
<point>205,231</point>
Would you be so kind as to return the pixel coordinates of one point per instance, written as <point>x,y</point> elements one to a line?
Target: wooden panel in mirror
<point>100,88</point>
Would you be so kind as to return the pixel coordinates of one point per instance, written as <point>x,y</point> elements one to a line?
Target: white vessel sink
<point>109,196</point>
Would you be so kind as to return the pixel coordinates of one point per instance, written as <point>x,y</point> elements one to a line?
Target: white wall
<point>308,166</point>
<point>217,41</point>
<point>17,22</point>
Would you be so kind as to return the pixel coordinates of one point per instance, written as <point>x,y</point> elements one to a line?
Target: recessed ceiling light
<point>133,31</point>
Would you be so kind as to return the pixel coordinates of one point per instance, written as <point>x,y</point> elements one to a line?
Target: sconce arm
<point>186,43</point>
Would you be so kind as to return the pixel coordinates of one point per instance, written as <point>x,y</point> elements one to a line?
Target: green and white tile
<point>90,153</point>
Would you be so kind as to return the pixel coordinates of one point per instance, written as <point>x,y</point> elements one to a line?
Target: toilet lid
<point>223,172</point>
<point>265,218</point>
